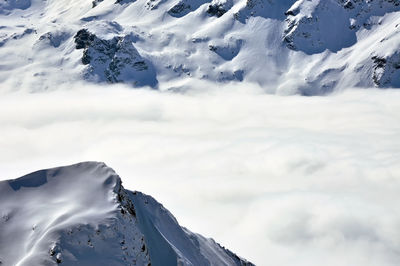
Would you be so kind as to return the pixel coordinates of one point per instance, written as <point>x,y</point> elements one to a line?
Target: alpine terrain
<point>82,215</point>
<point>187,94</point>
<point>308,47</point>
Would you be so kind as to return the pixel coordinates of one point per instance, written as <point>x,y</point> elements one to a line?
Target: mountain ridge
<point>82,215</point>
<point>308,47</point>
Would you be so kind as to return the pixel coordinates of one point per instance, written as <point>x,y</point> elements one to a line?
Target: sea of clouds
<point>281,180</point>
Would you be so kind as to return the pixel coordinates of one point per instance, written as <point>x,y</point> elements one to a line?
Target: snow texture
<point>81,215</point>
<point>308,47</point>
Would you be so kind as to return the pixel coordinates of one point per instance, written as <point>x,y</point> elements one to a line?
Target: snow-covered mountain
<point>287,46</point>
<point>81,215</point>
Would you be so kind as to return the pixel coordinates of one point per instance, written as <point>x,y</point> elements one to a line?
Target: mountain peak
<point>87,171</point>
<point>81,215</point>
<point>319,46</point>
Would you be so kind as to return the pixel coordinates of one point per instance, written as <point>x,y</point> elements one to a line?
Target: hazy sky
<point>281,180</point>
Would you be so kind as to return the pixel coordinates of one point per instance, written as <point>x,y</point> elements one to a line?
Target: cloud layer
<point>279,180</point>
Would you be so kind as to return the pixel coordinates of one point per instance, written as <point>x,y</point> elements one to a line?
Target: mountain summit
<point>82,215</point>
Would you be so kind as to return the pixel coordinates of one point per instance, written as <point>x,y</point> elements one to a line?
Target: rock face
<point>309,47</point>
<point>114,60</point>
<point>218,8</point>
<point>314,26</point>
<point>82,215</point>
<point>387,71</point>
<point>184,7</point>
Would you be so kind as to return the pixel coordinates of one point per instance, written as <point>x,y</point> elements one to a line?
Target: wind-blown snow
<point>80,215</point>
<point>39,209</point>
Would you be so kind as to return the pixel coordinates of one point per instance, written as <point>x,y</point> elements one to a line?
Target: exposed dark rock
<point>348,5</point>
<point>140,65</point>
<point>178,8</point>
<point>379,61</point>
<point>96,2</point>
<point>212,48</point>
<point>154,4</point>
<point>386,71</point>
<point>83,39</point>
<point>290,13</point>
<point>184,7</point>
<point>121,2</point>
<point>114,60</point>
<point>216,10</point>
<point>126,203</point>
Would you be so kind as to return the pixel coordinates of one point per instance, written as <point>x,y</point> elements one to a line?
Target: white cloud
<point>279,180</point>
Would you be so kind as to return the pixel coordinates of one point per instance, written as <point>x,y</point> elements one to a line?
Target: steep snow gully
<point>308,47</point>
<point>81,215</point>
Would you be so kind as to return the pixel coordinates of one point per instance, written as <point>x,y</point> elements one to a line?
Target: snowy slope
<point>286,46</point>
<point>81,215</point>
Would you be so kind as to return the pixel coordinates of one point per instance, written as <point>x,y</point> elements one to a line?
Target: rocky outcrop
<point>219,7</point>
<point>116,242</point>
<point>386,71</point>
<point>154,4</point>
<point>114,60</point>
<point>172,244</point>
<point>183,7</point>
<point>89,218</point>
<point>315,26</point>
<point>296,46</point>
